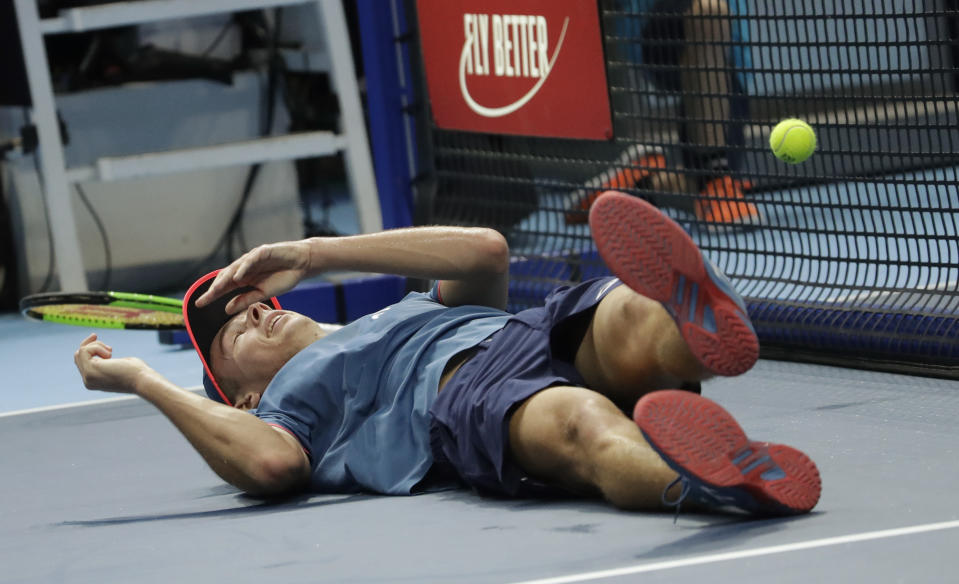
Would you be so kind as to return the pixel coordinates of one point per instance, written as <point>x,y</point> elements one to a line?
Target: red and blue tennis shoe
<point>655,257</point>
<point>717,464</point>
<point>719,467</point>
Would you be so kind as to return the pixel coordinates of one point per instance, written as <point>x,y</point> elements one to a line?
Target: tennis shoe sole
<point>655,257</point>
<point>724,468</point>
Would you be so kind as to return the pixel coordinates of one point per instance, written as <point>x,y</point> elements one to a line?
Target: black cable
<point>219,38</point>
<point>89,55</point>
<point>108,255</point>
<point>266,126</point>
<point>8,257</point>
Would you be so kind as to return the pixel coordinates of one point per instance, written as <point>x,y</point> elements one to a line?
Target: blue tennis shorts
<point>469,434</point>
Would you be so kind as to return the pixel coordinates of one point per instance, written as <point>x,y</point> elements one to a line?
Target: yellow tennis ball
<point>792,141</point>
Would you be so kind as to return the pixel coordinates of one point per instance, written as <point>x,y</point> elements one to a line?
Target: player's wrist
<point>144,379</point>
<point>317,258</point>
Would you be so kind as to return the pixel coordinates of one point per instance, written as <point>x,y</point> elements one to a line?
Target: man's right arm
<point>242,449</point>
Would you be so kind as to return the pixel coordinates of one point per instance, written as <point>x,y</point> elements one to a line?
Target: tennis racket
<point>112,310</point>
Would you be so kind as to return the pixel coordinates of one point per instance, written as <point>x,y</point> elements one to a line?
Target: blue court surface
<point>108,491</point>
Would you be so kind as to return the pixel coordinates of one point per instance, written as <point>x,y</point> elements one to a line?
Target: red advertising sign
<point>527,67</point>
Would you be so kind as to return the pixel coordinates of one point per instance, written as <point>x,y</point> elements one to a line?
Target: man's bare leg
<point>632,347</point>
<point>576,438</point>
<point>707,100</point>
<point>581,440</point>
<point>703,72</point>
<point>655,257</point>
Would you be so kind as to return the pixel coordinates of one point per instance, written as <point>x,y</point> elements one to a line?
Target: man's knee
<point>567,416</point>
<point>620,350</point>
<point>561,431</point>
<point>592,424</point>
<point>578,439</point>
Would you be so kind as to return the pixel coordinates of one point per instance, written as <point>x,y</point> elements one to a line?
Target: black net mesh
<point>852,253</point>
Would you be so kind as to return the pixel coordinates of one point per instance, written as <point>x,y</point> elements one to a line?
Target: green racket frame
<point>113,310</point>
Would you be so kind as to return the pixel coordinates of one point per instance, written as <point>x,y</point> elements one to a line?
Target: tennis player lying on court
<point>446,384</point>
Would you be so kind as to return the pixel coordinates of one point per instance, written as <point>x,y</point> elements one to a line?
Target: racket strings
<point>93,315</point>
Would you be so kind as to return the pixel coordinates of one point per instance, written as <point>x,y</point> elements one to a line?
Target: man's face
<point>256,343</point>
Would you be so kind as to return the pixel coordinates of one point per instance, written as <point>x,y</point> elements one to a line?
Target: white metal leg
<point>126,13</point>
<point>359,165</point>
<point>351,140</point>
<point>56,189</point>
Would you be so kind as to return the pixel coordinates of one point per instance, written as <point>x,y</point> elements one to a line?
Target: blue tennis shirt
<point>358,400</point>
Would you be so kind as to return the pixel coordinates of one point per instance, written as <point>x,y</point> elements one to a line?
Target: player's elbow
<point>277,474</point>
<point>492,251</point>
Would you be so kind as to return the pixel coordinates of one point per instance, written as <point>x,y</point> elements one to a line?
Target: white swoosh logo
<point>498,112</point>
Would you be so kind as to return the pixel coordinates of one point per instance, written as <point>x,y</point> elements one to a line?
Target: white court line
<point>765,551</point>
<point>96,402</point>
